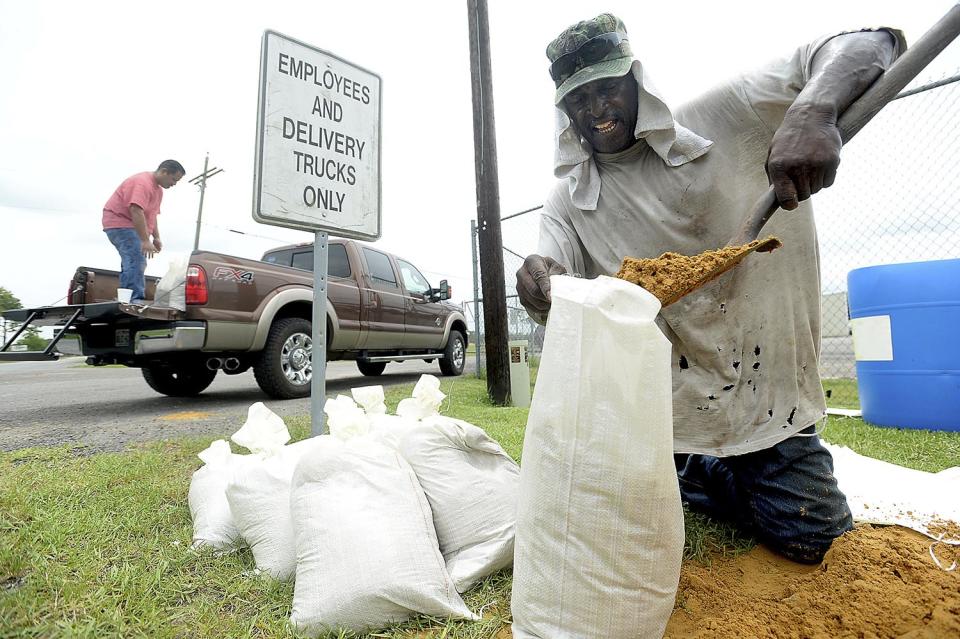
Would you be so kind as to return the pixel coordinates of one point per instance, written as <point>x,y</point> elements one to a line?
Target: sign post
<point>317,165</point>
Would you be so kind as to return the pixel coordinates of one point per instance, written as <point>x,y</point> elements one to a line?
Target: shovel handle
<point>881,92</point>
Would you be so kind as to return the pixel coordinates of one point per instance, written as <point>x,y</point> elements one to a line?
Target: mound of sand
<point>875,582</point>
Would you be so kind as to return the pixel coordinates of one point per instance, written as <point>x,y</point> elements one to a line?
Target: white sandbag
<point>390,429</point>
<point>213,523</point>
<point>263,432</point>
<point>345,419</point>
<point>599,521</point>
<point>172,287</point>
<point>370,398</point>
<point>426,399</point>
<point>471,484</point>
<point>259,498</point>
<point>367,552</point>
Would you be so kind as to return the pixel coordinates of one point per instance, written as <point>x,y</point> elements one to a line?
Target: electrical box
<point>519,374</point>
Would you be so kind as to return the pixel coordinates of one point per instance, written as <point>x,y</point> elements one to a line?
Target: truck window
<point>412,279</point>
<point>380,268</point>
<point>337,263</point>
<point>279,257</point>
<point>303,260</point>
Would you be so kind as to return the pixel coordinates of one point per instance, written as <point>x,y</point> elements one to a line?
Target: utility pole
<point>201,181</point>
<point>488,206</point>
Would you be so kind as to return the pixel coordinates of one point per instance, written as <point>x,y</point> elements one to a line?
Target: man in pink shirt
<point>130,221</point>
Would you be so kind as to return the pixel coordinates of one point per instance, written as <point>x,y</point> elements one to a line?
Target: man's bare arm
<point>805,151</point>
<point>140,225</point>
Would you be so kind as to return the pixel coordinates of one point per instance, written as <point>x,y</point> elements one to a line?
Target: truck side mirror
<point>445,291</point>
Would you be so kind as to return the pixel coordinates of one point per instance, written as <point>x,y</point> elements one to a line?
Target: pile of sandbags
<point>386,517</point>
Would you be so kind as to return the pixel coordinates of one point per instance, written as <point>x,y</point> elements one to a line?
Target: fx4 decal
<point>229,274</point>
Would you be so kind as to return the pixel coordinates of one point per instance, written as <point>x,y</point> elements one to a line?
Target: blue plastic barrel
<point>906,330</point>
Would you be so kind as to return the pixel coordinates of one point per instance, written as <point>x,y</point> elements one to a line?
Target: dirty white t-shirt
<point>745,346</point>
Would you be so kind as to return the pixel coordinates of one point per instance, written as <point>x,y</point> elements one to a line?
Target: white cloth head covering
<point>675,144</point>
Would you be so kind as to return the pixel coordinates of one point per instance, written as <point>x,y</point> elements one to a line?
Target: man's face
<point>605,112</point>
<point>166,180</point>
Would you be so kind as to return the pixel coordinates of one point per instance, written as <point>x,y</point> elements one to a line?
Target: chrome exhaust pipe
<point>231,364</point>
<point>214,363</point>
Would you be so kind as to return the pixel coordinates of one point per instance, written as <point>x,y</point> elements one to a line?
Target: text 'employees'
<point>326,78</point>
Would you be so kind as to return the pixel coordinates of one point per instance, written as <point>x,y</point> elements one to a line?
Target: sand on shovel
<point>671,276</point>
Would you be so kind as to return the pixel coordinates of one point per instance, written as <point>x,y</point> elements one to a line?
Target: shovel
<point>671,276</point>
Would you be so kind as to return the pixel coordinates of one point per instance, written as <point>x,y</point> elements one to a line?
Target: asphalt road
<point>67,402</point>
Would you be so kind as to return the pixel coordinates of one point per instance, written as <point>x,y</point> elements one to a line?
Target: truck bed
<point>93,285</point>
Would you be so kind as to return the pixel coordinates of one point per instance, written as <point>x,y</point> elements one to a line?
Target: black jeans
<point>786,496</point>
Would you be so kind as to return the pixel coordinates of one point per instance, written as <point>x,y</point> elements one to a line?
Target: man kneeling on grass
<point>639,179</point>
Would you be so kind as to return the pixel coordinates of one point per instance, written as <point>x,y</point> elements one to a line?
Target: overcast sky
<point>94,92</point>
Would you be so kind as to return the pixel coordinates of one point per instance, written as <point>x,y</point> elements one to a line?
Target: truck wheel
<point>371,369</point>
<point>284,369</point>
<point>454,355</point>
<point>181,381</point>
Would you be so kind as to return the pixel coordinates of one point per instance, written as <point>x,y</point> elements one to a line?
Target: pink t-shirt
<point>140,189</point>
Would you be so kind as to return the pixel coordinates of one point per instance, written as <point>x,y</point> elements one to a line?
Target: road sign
<point>317,165</point>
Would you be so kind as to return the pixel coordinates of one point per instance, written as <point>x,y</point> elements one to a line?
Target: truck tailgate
<point>75,317</point>
<point>100,311</point>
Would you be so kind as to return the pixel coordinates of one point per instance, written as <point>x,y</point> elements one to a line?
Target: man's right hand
<point>147,248</point>
<point>533,282</point>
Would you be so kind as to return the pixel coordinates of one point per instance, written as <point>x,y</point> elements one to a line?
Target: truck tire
<point>454,355</point>
<point>284,368</point>
<point>371,369</point>
<point>181,381</point>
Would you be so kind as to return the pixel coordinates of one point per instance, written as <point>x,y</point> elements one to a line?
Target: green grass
<point>841,393</point>
<point>97,545</point>
<point>931,451</point>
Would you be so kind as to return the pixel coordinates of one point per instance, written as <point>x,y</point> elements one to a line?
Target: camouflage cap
<point>574,62</point>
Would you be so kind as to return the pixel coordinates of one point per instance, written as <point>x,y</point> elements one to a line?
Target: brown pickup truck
<point>241,314</point>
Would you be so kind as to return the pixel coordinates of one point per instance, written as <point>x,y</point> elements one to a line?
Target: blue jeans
<point>132,262</point>
<point>786,496</point>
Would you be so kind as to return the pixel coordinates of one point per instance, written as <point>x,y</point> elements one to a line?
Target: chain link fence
<point>894,201</point>
<point>519,232</point>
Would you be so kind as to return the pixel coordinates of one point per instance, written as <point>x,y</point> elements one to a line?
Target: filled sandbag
<point>213,523</point>
<point>367,551</point>
<point>345,419</point>
<point>259,498</point>
<point>370,398</point>
<point>263,432</point>
<point>425,401</point>
<point>390,429</point>
<point>599,521</point>
<point>471,484</point>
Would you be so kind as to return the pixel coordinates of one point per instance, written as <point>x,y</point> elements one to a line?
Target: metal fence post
<point>476,294</point>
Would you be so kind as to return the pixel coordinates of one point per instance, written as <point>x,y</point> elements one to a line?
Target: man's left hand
<point>804,154</point>
<point>157,243</point>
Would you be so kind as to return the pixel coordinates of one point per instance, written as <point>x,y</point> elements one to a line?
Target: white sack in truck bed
<point>599,522</point>
<point>172,287</point>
